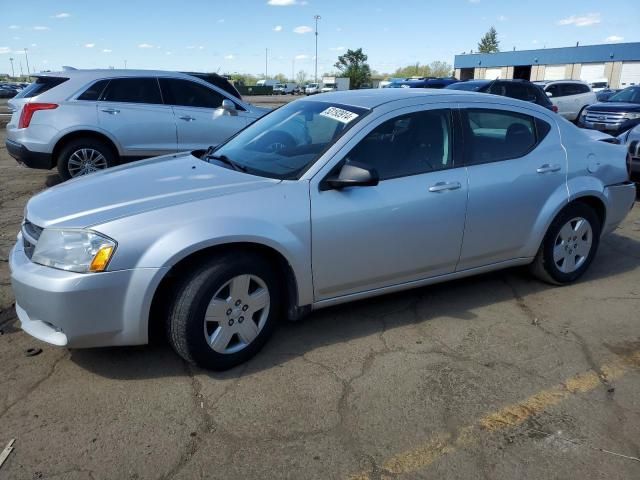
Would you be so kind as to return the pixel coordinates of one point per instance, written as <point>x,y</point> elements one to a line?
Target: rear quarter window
<point>41,85</point>
<point>94,91</point>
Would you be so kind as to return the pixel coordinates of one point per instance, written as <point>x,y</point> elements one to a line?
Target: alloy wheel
<point>86,160</point>
<point>236,314</point>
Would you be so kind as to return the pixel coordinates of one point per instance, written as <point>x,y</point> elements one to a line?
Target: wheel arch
<point>85,133</point>
<point>161,298</point>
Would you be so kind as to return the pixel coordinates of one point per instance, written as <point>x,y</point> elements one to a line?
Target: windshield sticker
<point>342,116</point>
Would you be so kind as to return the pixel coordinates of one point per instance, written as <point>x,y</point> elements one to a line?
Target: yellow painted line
<point>507,417</point>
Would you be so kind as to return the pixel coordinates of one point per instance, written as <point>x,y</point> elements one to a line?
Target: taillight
<point>554,108</point>
<point>29,109</point>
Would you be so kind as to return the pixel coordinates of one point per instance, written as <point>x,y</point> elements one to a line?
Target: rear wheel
<point>225,311</point>
<point>83,156</point>
<point>569,245</point>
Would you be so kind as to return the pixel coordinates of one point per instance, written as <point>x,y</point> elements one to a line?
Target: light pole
<point>26,57</point>
<point>316,18</point>
<point>266,63</point>
<point>13,74</point>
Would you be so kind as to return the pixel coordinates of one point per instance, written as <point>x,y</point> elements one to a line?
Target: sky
<point>238,36</point>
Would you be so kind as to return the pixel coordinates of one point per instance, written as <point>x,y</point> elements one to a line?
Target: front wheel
<point>569,245</point>
<point>225,311</point>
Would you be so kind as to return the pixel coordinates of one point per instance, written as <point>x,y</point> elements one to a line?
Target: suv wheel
<point>569,245</point>
<point>225,311</point>
<point>84,156</point>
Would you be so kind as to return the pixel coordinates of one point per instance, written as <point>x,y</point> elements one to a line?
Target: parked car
<point>631,138</point>
<point>8,92</point>
<point>312,89</point>
<point>423,82</point>
<point>599,85</point>
<point>285,88</point>
<point>87,120</point>
<point>570,96</point>
<point>518,89</point>
<point>618,114</point>
<point>326,200</point>
<point>604,95</point>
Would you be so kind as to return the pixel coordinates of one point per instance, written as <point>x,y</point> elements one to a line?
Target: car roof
<point>90,74</point>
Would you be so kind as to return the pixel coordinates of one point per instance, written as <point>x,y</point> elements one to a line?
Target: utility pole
<point>26,57</point>
<point>13,74</point>
<point>21,74</point>
<point>266,63</point>
<point>316,18</point>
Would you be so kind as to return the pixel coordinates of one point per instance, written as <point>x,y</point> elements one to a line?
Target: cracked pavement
<point>346,392</point>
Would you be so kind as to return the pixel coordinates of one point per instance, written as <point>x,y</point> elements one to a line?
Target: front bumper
<point>81,310</point>
<point>31,159</point>
<point>611,128</point>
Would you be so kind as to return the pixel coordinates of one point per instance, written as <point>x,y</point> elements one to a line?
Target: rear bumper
<point>28,158</point>
<point>620,200</point>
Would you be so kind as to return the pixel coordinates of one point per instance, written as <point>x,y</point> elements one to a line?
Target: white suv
<point>87,120</point>
<point>570,96</point>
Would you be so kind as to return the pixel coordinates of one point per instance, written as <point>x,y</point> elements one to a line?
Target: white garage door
<point>630,74</point>
<point>554,72</point>
<point>592,72</point>
<point>492,73</point>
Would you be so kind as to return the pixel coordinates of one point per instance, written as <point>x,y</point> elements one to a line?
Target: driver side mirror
<point>229,107</point>
<point>351,175</point>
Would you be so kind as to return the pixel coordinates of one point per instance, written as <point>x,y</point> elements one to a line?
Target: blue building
<point>617,64</point>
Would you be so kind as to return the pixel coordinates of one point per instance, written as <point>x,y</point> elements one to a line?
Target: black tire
<point>544,267</point>
<point>185,322</point>
<point>89,143</point>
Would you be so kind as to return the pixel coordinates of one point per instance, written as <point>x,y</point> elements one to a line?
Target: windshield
<point>284,143</point>
<point>631,95</point>
<point>470,86</point>
<point>599,85</point>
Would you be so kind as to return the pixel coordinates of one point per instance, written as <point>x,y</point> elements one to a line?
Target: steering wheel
<point>275,141</point>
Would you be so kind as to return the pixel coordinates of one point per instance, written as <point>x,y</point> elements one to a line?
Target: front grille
<point>608,118</point>
<point>30,235</point>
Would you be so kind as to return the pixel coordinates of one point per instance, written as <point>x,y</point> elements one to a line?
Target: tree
<point>440,69</point>
<point>353,64</point>
<point>281,78</point>
<point>416,70</point>
<point>489,42</point>
<point>301,77</point>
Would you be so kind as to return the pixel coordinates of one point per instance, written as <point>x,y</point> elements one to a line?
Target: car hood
<point>135,188</point>
<point>614,107</point>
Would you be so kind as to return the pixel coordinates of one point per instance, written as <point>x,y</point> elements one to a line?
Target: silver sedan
<point>334,198</point>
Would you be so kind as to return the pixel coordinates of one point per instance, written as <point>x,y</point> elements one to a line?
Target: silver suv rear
<point>87,120</point>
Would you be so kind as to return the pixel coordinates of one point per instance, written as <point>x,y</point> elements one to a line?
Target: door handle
<point>548,168</point>
<point>443,186</point>
<point>188,118</point>
<point>112,111</point>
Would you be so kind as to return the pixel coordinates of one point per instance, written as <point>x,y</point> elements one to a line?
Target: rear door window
<point>132,90</point>
<point>495,135</point>
<point>189,94</point>
<point>555,90</point>
<point>41,85</point>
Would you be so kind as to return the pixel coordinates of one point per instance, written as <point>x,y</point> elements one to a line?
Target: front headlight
<point>79,251</point>
<point>632,116</point>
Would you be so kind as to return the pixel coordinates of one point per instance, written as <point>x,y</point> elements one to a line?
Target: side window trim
<point>466,129</point>
<point>106,88</point>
